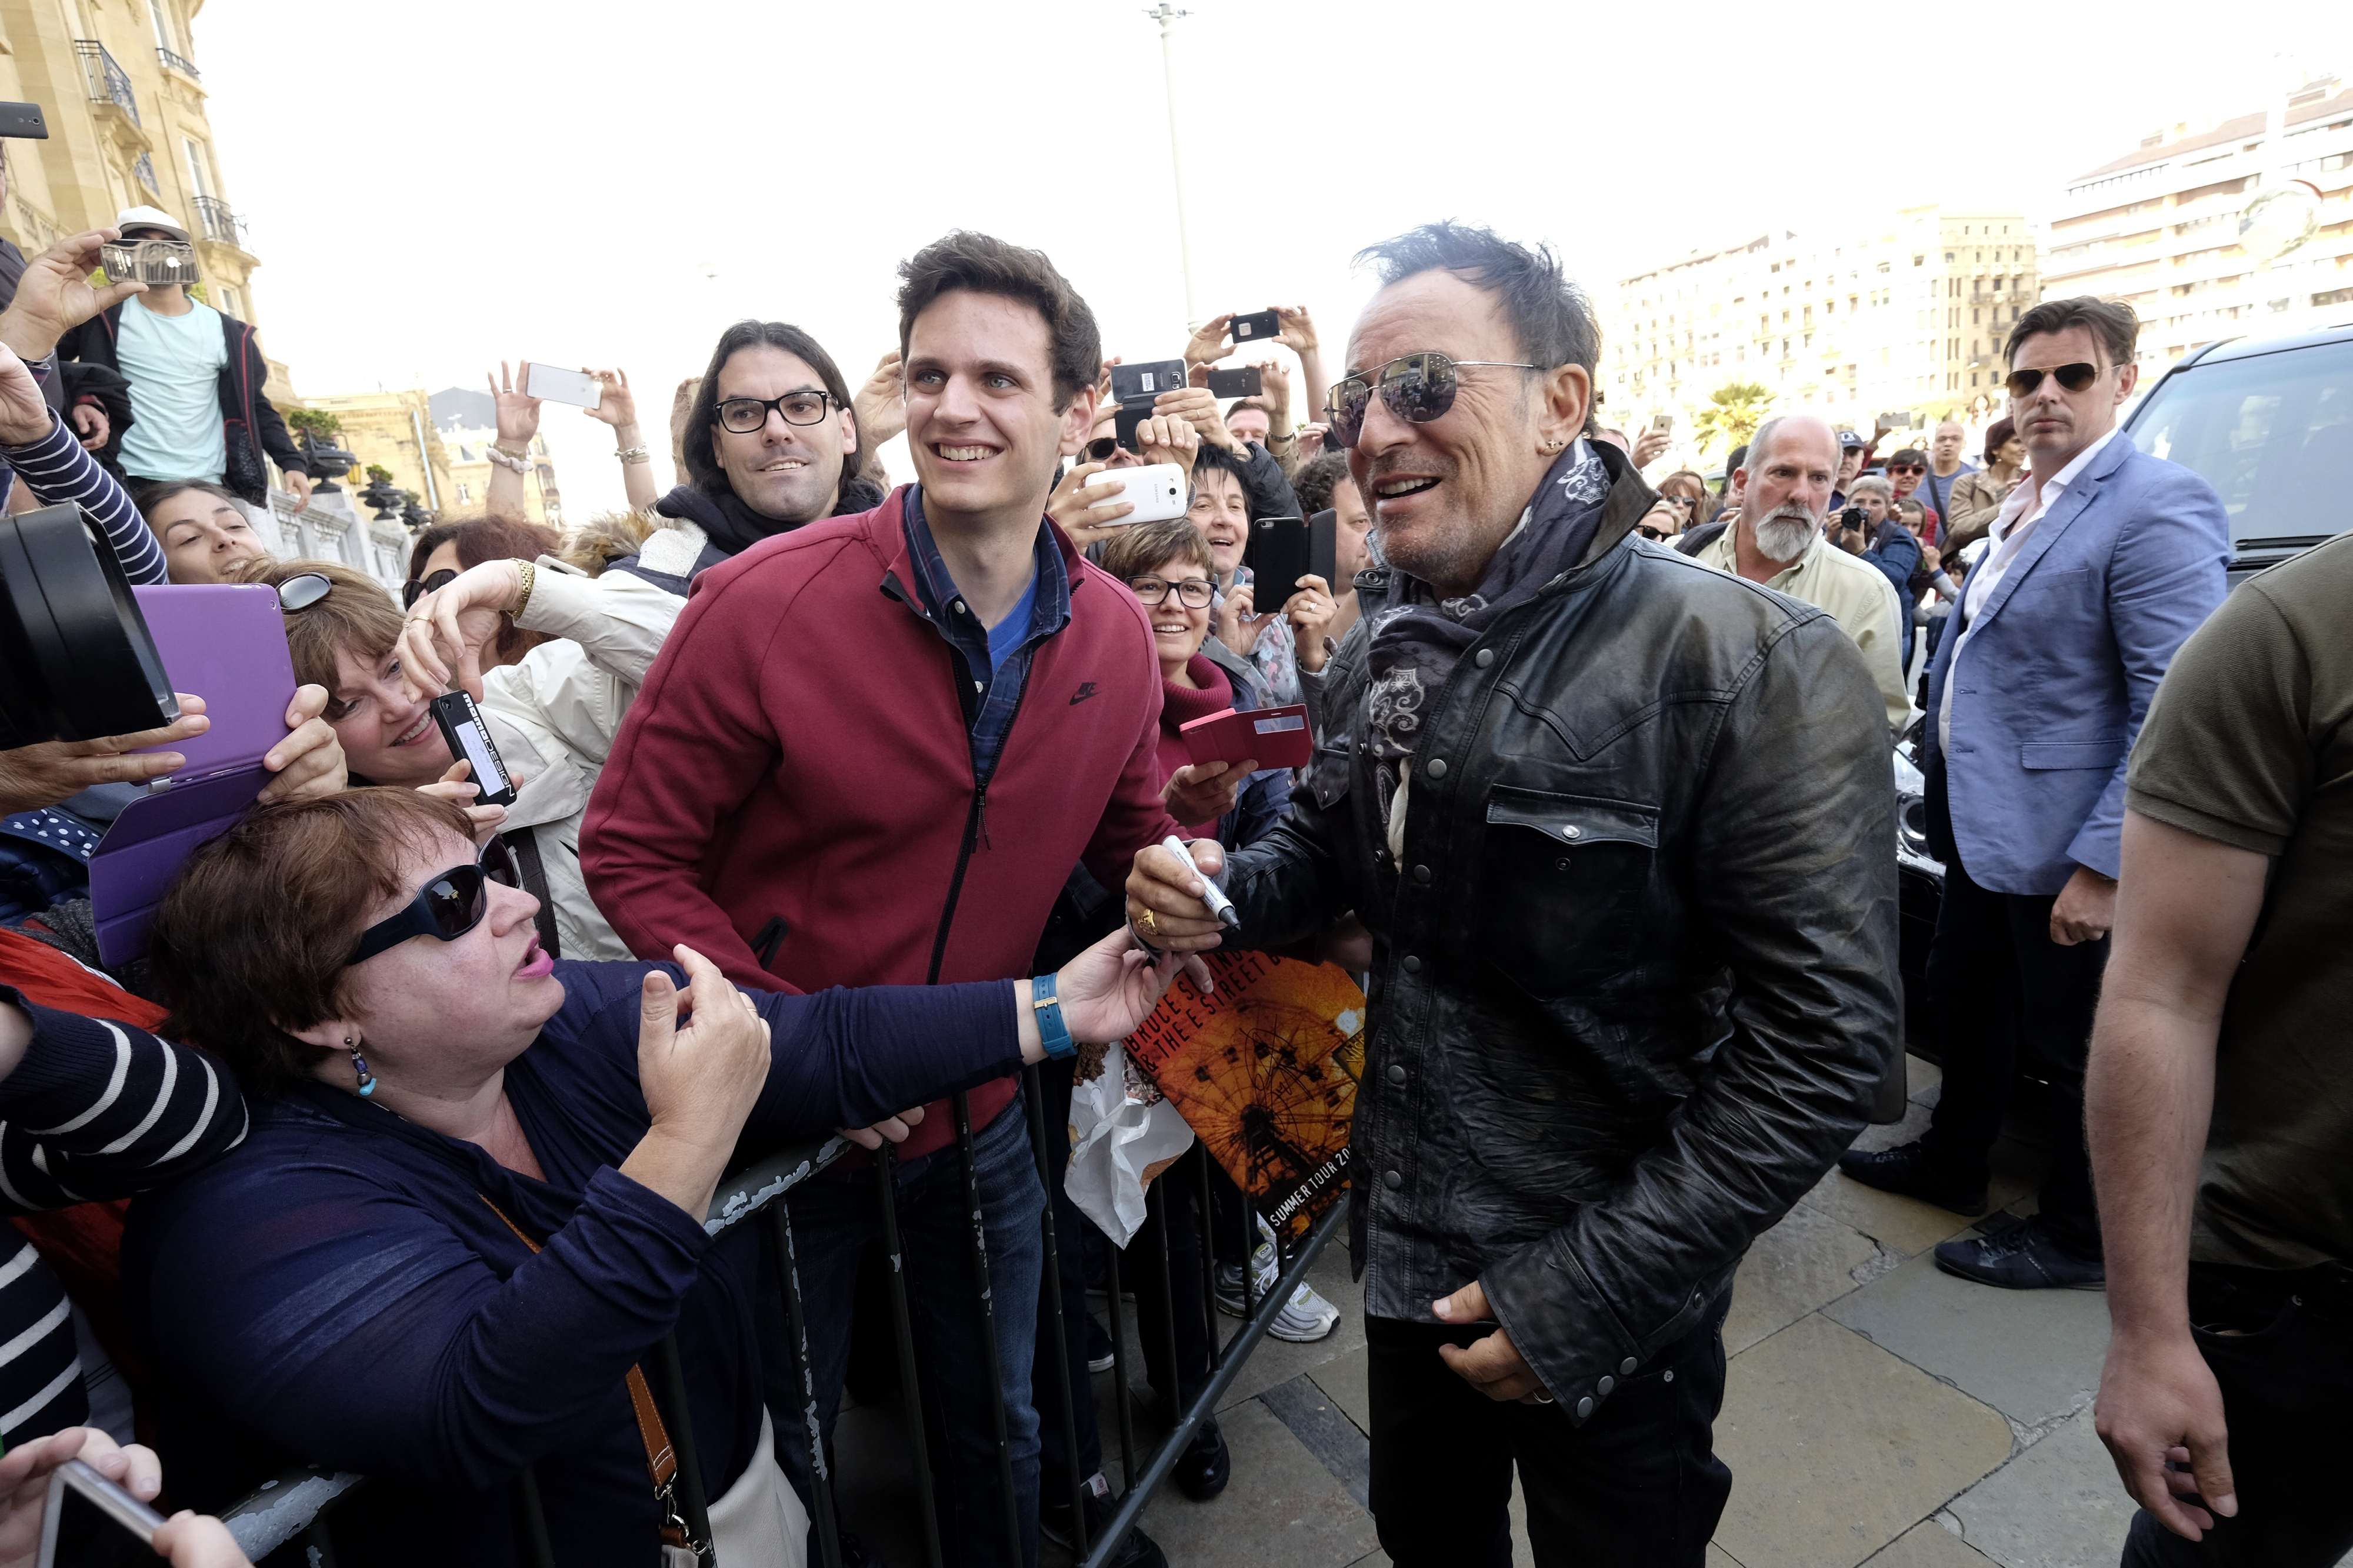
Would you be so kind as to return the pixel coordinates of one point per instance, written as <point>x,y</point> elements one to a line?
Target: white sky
<point>435,184</point>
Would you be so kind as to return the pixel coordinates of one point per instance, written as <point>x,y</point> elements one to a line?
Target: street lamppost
<point>1166,14</point>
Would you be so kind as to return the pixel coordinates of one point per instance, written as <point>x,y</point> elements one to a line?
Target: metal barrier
<point>300,1503</point>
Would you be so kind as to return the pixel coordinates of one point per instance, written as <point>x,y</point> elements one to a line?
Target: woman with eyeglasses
<point>552,716</point>
<point>471,1211</point>
<point>1978,494</point>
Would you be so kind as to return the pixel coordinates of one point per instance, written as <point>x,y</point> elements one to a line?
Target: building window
<point>200,170</point>
<point>230,304</point>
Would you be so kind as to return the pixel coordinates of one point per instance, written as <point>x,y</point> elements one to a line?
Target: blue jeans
<point>836,1216</point>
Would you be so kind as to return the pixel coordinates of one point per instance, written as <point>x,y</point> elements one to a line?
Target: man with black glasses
<point>1619,824</point>
<point>2101,562</point>
<point>770,443</point>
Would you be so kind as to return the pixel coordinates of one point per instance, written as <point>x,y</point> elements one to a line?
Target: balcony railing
<point>181,63</point>
<point>219,224</point>
<point>143,168</point>
<point>108,81</point>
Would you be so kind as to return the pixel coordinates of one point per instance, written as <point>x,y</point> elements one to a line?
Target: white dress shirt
<point>2012,527</point>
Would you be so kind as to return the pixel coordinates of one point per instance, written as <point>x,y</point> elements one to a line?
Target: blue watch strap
<point>1048,1007</point>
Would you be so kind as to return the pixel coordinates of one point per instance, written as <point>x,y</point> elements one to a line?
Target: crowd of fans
<point>428,1097</point>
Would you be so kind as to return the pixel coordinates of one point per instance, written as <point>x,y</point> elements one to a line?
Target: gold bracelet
<point>530,577</point>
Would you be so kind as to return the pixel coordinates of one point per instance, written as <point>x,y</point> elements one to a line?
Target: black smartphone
<point>1244,380</point>
<point>469,741</point>
<point>1323,547</point>
<point>22,121</point>
<point>1142,382</point>
<point>1124,422</point>
<point>1256,327</point>
<point>1277,555</point>
<point>90,1522</point>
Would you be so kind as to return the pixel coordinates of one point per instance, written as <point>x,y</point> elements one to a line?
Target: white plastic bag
<point>1122,1133</point>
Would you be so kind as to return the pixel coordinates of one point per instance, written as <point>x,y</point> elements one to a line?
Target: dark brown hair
<point>155,495</point>
<point>984,265</point>
<point>696,448</point>
<point>481,539</point>
<point>1997,434</point>
<point>2112,321</point>
<point>250,941</point>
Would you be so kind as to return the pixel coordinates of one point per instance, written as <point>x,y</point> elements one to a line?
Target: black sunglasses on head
<point>2074,377</point>
<point>414,589</point>
<point>303,590</point>
<point>445,908</point>
<point>1417,388</point>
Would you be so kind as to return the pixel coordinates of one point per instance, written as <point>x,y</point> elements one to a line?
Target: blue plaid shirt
<point>991,693</point>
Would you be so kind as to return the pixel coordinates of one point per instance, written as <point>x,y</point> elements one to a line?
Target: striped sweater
<point>95,1110</point>
<point>56,468</point>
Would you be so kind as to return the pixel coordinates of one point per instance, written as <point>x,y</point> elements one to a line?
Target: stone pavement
<point>1876,1412</point>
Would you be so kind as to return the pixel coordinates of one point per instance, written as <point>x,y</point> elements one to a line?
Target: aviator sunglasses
<point>2074,377</point>
<point>1417,388</point>
<point>445,908</point>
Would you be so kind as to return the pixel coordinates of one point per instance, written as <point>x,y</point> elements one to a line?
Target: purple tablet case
<point>227,644</point>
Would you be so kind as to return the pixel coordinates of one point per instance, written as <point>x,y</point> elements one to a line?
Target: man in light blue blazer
<point>2101,562</point>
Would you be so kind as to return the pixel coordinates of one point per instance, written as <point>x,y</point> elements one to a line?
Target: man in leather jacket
<point>1623,829</point>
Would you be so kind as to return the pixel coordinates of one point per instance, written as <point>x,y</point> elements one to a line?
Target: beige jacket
<point>1853,591</point>
<point>554,715</point>
<point>1976,500</point>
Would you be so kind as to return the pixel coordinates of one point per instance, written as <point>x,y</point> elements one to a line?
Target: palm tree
<point>1732,413</point>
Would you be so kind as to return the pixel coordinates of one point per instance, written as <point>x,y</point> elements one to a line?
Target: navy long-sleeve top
<point>336,1291</point>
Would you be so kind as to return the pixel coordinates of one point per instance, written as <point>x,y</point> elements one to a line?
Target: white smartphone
<point>1156,491</point>
<point>90,1520</point>
<point>560,386</point>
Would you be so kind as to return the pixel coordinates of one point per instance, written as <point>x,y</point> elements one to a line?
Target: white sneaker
<point>1306,1318</point>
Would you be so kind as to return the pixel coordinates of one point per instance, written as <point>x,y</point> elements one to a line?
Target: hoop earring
<point>360,1067</point>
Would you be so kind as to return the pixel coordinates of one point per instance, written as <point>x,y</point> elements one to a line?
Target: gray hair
<point>1871,484</point>
<point>1760,446</point>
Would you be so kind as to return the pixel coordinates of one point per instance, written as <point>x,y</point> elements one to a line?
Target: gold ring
<point>1151,925</point>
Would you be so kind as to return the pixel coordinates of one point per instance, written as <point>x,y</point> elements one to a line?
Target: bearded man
<point>1792,467</point>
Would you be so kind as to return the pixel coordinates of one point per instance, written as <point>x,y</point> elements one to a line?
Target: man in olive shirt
<point>2219,1072</point>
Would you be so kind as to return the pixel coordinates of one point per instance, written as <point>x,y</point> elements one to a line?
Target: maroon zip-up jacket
<point>798,754</point>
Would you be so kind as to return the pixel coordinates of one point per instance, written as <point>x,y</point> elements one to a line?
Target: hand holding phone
<point>469,738</point>
<point>1243,381</point>
<point>1155,493</point>
<point>1142,382</point>
<point>556,385</point>
<point>1256,326</point>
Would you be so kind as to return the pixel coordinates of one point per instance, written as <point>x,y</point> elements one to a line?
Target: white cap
<point>152,217</point>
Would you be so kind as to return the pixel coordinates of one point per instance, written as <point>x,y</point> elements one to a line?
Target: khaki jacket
<point>1857,593</point>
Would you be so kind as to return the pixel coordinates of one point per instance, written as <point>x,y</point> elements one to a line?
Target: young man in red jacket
<point>870,750</point>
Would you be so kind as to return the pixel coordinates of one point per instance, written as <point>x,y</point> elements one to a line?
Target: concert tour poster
<point>1264,1070</point>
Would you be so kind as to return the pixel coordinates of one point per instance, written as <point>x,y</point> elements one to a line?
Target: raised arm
<point>618,407</point>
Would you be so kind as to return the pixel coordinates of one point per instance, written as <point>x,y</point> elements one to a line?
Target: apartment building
<point>2160,227</point>
<point>1905,317</point>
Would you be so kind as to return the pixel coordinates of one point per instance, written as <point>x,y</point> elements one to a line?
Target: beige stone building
<point>469,471</point>
<point>1905,317</point>
<point>2160,227</point>
<point>394,429</point>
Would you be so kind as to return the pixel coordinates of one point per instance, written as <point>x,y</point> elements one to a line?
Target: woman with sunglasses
<point>446,549</point>
<point>552,717</point>
<point>471,1205</point>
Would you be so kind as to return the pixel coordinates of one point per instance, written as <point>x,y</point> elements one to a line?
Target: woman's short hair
<point>1143,548</point>
<point>357,616</point>
<point>250,941</point>
<point>1870,484</point>
<point>1997,434</point>
<point>1908,507</point>
<point>481,539</point>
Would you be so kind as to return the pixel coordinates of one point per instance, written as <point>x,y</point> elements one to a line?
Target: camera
<point>80,662</point>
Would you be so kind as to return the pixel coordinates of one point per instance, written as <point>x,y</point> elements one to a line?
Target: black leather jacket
<point>1635,974</point>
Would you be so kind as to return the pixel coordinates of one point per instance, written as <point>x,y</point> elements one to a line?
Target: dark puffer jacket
<point>1635,977</point>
